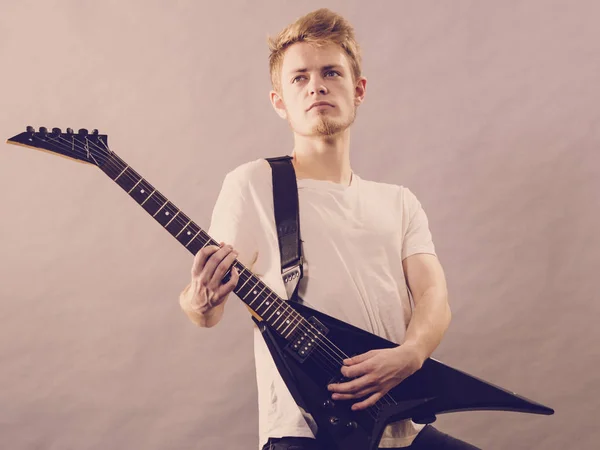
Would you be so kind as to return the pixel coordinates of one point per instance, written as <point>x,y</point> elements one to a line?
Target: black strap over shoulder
<point>287,221</point>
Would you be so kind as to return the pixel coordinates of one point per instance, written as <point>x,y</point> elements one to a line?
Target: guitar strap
<point>287,221</point>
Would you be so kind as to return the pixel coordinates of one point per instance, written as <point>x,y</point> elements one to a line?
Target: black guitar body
<point>435,388</point>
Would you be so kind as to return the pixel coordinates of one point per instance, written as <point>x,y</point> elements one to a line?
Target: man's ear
<point>360,90</point>
<point>278,105</point>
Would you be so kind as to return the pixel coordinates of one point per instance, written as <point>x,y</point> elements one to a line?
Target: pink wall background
<point>489,111</point>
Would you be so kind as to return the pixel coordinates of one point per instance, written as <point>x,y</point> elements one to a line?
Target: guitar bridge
<point>306,339</point>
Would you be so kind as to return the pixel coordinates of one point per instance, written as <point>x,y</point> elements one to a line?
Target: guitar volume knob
<point>328,404</point>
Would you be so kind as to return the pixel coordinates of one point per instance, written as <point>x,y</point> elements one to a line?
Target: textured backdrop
<point>489,111</point>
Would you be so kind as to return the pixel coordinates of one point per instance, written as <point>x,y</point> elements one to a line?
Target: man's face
<point>310,74</point>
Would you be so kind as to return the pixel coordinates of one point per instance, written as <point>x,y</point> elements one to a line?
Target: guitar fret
<point>122,172</point>
<point>291,323</point>
<point>193,238</point>
<point>142,204</point>
<point>289,320</point>
<point>250,291</point>
<point>172,219</point>
<point>134,186</point>
<point>274,311</point>
<point>269,307</point>
<point>154,215</point>
<point>260,306</point>
<point>251,301</point>
<point>249,278</point>
<point>293,330</point>
<point>183,229</point>
<point>268,298</point>
<point>280,315</point>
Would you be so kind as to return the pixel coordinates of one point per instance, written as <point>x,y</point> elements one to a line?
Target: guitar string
<point>322,342</point>
<point>337,363</point>
<point>301,325</point>
<point>116,163</point>
<point>77,149</point>
<point>326,363</point>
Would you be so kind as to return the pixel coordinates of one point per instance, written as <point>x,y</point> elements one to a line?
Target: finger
<point>201,257</point>
<point>351,387</point>
<point>359,358</point>
<point>356,370</point>
<point>225,289</point>
<point>233,279</point>
<point>360,394</point>
<point>217,279</point>
<point>367,402</point>
<point>215,291</point>
<point>211,265</point>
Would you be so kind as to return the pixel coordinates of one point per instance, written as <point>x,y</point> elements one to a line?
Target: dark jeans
<point>428,439</point>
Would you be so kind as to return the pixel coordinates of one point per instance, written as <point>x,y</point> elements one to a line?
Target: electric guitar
<point>307,346</point>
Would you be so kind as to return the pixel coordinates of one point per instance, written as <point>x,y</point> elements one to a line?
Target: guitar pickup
<point>306,339</point>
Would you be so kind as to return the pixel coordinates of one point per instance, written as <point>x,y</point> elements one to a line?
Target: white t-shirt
<point>354,240</point>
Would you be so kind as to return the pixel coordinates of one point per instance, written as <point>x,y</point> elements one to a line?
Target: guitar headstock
<point>91,148</point>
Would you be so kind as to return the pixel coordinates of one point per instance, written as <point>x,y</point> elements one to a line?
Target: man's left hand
<point>375,373</point>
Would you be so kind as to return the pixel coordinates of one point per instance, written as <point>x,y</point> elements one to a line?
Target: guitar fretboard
<point>250,289</point>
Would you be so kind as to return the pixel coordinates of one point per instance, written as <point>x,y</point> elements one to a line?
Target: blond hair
<point>317,28</point>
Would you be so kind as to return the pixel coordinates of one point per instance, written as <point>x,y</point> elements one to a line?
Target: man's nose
<point>317,86</point>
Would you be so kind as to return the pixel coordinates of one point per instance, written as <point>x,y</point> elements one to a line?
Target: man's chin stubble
<point>328,127</point>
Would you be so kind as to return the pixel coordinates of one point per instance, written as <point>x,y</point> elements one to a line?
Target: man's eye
<point>326,73</point>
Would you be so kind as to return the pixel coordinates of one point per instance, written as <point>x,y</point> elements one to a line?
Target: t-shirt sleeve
<point>417,236</point>
<point>233,218</point>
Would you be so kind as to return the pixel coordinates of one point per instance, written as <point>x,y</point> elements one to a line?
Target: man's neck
<point>323,158</point>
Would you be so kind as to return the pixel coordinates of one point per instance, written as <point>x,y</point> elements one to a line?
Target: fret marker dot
<point>142,191</point>
<point>167,213</point>
<point>287,321</point>
<point>278,313</point>
<point>267,303</point>
<point>254,292</point>
<point>189,232</point>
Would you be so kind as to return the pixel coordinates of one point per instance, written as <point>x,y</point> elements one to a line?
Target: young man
<point>366,244</point>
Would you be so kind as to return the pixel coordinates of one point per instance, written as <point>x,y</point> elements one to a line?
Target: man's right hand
<point>206,290</point>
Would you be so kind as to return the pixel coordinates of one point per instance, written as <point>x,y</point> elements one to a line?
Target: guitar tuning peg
<point>95,132</point>
<point>30,129</point>
<point>69,130</point>
<point>56,130</point>
<point>43,130</point>
<point>82,131</point>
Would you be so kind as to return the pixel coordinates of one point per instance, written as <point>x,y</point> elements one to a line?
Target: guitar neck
<point>261,300</point>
